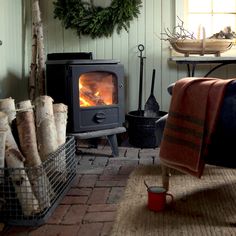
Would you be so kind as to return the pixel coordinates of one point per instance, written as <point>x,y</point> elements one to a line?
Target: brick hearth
<point>89,208</point>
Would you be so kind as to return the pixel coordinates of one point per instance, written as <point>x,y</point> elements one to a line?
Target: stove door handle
<point>100,117</point>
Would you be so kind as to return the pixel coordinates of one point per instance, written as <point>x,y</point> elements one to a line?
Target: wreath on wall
<point>96,21</point>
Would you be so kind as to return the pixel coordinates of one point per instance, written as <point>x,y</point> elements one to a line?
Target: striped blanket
<point>192,117</point>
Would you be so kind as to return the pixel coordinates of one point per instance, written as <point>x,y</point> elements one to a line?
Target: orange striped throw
<point>192,116</point>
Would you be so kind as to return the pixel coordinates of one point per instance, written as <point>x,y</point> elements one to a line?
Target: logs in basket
<point>36,159</point>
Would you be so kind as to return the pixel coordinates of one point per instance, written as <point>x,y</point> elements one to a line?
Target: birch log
<point>33,67</point>
<point>7,105</point>
<point>37,24</point>
<point>60,115</point>
<point>45,125</point>
<point>20,180</point>
<point>28,143</point>
<point>3,129</point>
<point>60,111</point>
<point>2,155</point>
<point>2,152</point>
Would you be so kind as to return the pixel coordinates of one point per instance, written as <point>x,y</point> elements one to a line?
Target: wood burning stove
<point>92,89</point>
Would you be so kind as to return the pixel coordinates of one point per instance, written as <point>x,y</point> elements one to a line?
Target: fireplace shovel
<point>151,108</point>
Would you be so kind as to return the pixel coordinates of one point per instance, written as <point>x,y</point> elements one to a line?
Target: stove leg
<point>110,134</point>
<point>114,145</point>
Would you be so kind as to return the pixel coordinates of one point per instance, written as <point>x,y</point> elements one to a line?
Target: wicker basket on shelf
<point>201,46</point>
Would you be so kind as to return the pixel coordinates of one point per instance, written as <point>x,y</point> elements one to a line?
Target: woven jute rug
<point>205,206</point>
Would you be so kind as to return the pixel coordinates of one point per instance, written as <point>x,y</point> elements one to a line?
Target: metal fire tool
<point>141,49</point>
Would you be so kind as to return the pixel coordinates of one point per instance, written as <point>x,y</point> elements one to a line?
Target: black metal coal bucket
<point>142,130</point>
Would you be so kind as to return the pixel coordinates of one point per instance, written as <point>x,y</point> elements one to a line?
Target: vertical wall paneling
<point>142,29</point>
<point>91,46</point>
<point>168,73</point>
<point>124,52</point>
<point>2,48</point>
<point>70,41</point>
<point>11,74</point>
<point>116,45</point>
<point>100,48</point>
<point>108,48</point>
<point>84,43</point>
<point>133,67</point>
<point>157,59</point>
<point>179,6</point>
<point>15,53</point>
<point>53,30</point>
<point>149,42</point>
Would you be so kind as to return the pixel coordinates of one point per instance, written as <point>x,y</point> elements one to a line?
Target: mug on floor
<point>157,197</point>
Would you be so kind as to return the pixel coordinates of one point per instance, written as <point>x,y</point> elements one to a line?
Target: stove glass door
<point>97,89</point>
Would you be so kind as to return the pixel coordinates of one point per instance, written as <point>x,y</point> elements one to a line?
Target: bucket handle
<point>146,184</point>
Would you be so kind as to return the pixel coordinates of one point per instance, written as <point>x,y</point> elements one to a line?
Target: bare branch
<point>178,33</point>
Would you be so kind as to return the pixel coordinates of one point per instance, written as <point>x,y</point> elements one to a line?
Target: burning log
<point>15,160</point>
<point>27,137</point>
<point>90,98</point>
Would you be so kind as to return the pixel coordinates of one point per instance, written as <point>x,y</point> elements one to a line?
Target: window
<point>213,15</point>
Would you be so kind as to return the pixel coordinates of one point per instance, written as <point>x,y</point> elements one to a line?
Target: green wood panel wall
<point>15,53</point>
<point>12,82</point>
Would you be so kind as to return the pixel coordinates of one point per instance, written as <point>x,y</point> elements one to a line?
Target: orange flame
<point>103,95</point>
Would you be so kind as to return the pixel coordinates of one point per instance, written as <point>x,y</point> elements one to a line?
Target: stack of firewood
<point>41,129</point>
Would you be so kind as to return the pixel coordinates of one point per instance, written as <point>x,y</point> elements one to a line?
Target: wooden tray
<point>201,46</point>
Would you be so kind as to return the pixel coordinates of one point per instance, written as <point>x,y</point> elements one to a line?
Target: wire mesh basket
<point>28,196</point>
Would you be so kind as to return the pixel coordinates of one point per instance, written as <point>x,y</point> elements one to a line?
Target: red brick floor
<point>89,207</point>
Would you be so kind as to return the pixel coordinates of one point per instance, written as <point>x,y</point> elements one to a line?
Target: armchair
<point>221,148</point>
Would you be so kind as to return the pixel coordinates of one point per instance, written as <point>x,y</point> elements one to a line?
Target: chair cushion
<point>222,148</point>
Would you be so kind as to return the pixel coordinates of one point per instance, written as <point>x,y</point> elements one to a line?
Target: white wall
<point>15,53</point>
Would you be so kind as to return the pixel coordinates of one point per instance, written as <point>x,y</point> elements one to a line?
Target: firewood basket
<point>53,187</point>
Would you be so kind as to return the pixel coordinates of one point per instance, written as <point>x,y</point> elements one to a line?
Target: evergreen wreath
<point>96,21</point>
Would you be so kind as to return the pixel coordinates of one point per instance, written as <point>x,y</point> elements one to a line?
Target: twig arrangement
<point>178,33</point>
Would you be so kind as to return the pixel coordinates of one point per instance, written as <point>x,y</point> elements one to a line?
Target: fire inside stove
<point>97,89</point>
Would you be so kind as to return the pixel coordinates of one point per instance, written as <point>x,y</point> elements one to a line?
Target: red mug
<point>157,198</point>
